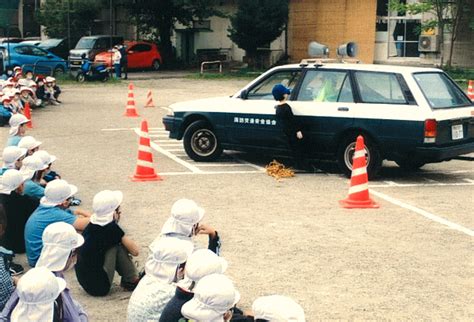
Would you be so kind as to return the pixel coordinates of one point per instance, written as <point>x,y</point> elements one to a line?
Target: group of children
<point>21,89</point>
<point>179,282</point>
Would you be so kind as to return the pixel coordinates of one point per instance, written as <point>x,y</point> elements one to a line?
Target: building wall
<point>332,23</point>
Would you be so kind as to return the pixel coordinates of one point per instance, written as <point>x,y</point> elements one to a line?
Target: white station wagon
<point>410,115</point>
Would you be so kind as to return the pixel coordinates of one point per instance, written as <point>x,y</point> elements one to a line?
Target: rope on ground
<point>278,170</point>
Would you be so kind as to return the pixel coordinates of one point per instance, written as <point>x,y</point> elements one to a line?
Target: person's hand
<point>205,229</point>
<point>299,135</point>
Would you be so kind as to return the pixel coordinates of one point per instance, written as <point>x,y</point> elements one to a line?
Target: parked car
<point>32,58</point>
<point>11,40</point>
<point>58,46</point>
<point>410,115</point>
<point>140,54</point>
<point>91,46</point>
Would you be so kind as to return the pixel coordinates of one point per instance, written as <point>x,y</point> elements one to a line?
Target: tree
<point>257,23</point>
<point>157,18</point>
<point>448,16</point>
<point>53,15</point>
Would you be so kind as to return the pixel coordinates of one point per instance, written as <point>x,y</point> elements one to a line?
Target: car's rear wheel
<point>346,152</point>
<point>409,165</point>
<point>155,65</point>
<point>201,142</point>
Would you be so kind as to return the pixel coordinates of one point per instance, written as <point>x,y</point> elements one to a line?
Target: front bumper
<point>172,125</point>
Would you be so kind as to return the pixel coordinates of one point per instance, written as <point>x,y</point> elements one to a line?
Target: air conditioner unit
<point>428,43</point>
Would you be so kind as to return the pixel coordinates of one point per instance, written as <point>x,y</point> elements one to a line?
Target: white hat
<point>25,88</point>
<point>204,262</point>
<point>16,91</point>
<point>56,192</point>
<point>50,79</point>
<point>166,255</point>
<point>45,156</point>
<point>213,297</point>
<point>16,68</point>
<point>10,180</point>
<point>37,291</point>
<point>29,143</point>
<point>15,121</point>
<point>6,97</point>
<point>185,214</point>
<point>277,308</point>
<point>59,239</point>
<point>30,165</point>
<point>22,82</point>
<point>104,204</point>
<point>11,154</point>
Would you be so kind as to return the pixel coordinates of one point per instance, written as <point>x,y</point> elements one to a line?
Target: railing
<point>215,62</point>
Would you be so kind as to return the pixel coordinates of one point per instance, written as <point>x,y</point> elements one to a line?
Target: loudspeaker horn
<point>316,49</point>
<point>348,49</point>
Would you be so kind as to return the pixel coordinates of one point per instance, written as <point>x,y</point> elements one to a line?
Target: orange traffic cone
<point>359,189</point>
<point>130,109</point>
<point>470,90</point>
<point>145,170</point>
<point>27,112</point>
<point>149,100</point>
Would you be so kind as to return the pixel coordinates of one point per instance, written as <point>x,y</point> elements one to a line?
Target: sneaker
<point>16,269</point>
<point>129,286</point>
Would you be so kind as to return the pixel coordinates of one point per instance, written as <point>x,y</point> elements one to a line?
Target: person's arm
<point>81,223</point>
<point>82,213</point>
<point>130,245</point>
<point>214,240</point>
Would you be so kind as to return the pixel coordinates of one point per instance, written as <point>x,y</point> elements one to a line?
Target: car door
<point>387,110</point>
<point>139,54</point>
<point>252,122</point>
<point>24,55</point>
<point>45,62</point>
<point>325,104</point>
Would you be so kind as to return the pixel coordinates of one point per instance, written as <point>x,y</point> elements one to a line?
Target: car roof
<point>366,67</point>
<point>135,42</point>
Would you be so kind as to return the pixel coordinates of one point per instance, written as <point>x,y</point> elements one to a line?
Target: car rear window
<point>377,87</point>
<point>440,91</point>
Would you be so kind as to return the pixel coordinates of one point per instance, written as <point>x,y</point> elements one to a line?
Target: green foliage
<point>53,15</point>
<point>257,23</point>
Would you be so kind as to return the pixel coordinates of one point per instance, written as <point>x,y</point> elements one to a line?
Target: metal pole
<point>68,26</point>
<point>8,46</point>
<point>111,31</point>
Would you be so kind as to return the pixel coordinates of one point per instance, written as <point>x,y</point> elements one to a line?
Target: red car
<point>140,54</point>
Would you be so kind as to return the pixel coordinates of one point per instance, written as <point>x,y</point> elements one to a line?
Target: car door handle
<point>343,109</point>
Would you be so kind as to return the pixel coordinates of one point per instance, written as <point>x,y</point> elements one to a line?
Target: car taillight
<point>430,131</point>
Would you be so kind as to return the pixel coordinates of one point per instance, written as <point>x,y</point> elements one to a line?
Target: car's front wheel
<point>346,152</point>
<point>81,77</point>
<point>201,142</point>
<point>58,71</point>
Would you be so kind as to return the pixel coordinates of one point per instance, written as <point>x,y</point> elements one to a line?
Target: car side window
<point>38,52</point>
<point>326,86</point>
<point>23,50</point>
<point>142,48</point>
<point>263,90</point>
<point>376,87</point>
<point>102,43</point>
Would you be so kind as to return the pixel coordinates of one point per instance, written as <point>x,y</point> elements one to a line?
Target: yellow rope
<point>278,170</point>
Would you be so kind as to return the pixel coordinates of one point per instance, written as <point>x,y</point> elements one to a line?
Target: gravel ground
<point>287,237</point>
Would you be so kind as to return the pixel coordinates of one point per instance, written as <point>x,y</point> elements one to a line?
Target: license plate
<point>75,63</point>
<point>456,132</point>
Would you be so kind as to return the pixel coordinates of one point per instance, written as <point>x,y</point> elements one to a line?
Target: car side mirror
<point>243,94</point>
<point>130,52</point>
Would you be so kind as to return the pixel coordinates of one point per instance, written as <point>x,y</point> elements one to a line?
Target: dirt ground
<point>280,237</point>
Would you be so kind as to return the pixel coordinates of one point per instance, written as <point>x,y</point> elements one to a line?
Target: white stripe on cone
<point>358,154</point>
<point>146,164</point>
<point>359,171</point>
<point>358,188</point>
<point>145,148</point>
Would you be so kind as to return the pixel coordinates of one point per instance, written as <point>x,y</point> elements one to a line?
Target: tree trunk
<point>166,47</point>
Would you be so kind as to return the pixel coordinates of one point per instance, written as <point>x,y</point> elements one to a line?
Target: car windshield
<point>440,91</point>
<point>50,43</point>
<point>85,43</point>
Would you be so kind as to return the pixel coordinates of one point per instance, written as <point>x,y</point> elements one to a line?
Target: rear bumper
<point>437,154</point>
